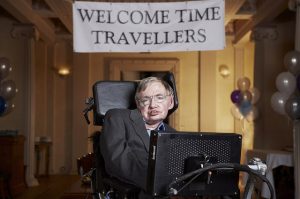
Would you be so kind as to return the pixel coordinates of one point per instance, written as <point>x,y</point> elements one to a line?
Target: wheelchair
<point>108,95</point>
<point>120,94</point>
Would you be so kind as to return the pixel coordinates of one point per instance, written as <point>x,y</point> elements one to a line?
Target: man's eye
<point>160,97</point>
<point>145,100</point>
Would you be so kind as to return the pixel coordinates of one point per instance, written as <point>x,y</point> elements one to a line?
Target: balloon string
<point>243,126</point>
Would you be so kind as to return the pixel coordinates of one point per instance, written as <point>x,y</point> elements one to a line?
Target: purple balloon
<point>235,96</point>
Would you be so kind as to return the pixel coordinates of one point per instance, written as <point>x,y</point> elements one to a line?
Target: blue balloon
<point>245,107</point>
<point>2,105</point>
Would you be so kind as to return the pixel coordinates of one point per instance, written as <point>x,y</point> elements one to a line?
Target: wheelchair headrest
<point>120,94</point>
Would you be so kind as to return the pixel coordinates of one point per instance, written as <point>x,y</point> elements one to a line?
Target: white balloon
<point>278,101</point>
<point>255,95</point>
<point>8,89</point>
<point>252,115</point>
<point>235,111</point>
<point>286,82</point>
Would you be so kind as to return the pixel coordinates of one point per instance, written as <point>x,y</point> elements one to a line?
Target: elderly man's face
<point>154,103</point>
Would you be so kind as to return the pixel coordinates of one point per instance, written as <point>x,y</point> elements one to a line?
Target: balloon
<point>2,105</point>
<point>278,101</point>
<point>252,115</point>
<point>8,89</point>
<point>246,96</point>
<point>243,83</point>
<point>236,112</point>
<point>292,108</point>
<point>5,67</point>
<point>292,62</point>
<point>245,107</point>
<point>9,107</point>
<point>235,96</point>
<point>255,95</point>
<point>286,82</point>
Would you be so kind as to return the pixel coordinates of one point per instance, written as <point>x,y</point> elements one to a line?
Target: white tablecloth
<point>273,159</point>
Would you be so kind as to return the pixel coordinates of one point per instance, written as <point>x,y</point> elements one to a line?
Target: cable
<point>221,166</point>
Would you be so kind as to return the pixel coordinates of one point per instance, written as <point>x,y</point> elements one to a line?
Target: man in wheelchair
<point>123,145</point>
<point>125,137</point>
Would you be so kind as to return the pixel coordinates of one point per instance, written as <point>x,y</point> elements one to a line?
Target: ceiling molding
<point>265,13</point>
<point>63,10</point>
<point>23,12</point>
<point>231,8</point>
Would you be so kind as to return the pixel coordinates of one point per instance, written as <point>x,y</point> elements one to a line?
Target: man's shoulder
<point>169,128</point>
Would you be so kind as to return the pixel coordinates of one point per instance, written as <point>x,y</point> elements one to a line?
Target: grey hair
<point>144,83</point>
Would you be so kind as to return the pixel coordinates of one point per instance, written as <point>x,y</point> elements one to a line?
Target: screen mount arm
<point>255,169</point>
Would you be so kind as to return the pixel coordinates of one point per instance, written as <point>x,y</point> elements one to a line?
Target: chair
<point>108,95</point>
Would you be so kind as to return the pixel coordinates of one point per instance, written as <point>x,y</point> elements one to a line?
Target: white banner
<point>148,27</point>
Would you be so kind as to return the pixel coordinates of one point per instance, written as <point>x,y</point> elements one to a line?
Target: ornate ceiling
<point>52,19</point>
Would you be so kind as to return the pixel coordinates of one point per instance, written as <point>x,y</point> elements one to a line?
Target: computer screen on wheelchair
<point>174,154</point>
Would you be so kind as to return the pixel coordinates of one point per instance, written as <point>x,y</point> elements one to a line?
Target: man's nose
<point>153,102</point>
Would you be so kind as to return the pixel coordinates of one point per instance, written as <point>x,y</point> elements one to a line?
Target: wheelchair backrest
<point>120,94</point>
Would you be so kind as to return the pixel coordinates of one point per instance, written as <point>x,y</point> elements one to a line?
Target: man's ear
<point>171,103</point>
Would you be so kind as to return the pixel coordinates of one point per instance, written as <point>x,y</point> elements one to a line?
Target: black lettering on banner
<point>96,36</point>
<point>194,15</point>
<point>202,16</point>
<point>135,39</point>
<point>201,33</point>
<point>159,17</point>
<point>100,14</point>
<point>138,17</point>
<point>209,14</point>
<point>156,39</point>
<point>109,35</point>
<point>215,13</point>
<point>123,38</point>
<point>119,16</point>
<point>181,12</point>
<point>86,14</point>
<point>178,36</point>
<point>167,41</point>
<point>109,20</point>
<point>190,36</point>
<point>147,38</point>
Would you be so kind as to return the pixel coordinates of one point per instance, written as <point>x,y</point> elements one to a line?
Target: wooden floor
<point>51,187</point>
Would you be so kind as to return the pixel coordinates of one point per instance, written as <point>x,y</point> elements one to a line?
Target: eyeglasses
<point>145,101</point>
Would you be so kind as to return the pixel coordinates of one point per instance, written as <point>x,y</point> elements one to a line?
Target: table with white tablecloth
<point>273,159</point>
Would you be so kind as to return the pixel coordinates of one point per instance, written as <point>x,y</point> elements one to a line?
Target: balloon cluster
<point>244,99</point>
<point>7,87</point>
<point>286,100</point>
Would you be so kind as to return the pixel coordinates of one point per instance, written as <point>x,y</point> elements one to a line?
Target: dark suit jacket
<point>125,146</point>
